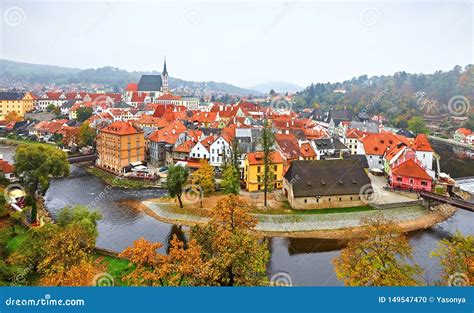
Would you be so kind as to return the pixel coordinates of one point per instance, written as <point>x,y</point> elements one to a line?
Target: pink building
<point>410,175</point>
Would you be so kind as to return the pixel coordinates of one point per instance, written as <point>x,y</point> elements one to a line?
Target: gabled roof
<point>464,131</point>
<point>10,95</point>
<point>185,147</point>
<point>150,83</point>
<point>307,151</point>
<point>379,143</point>
<point>422,144</point>
<point>6,167</point>
<point>120,128</point>
<point>327,177</point>
<point>132,87</point>
<point>256,158</point>
<point>410,168</point>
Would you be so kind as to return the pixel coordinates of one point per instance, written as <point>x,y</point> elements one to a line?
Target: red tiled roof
<point>410,168</point>
<point>120,128</point>
<point>422,144</point>
<point>307,150</point>
<point>378,143</point>
<point>136,97</point>
<point>255,158</point>
<point>6,167</point>
<point>169,96</point>
<point>185,147</point>
<point>464,131</point>
<point>132,87</point>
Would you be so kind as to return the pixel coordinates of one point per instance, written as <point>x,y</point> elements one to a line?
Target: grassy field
<point>116,267</point>
<point>334,210</point>
<point>22,142</point>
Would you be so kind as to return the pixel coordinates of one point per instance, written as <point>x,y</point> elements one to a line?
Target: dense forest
<point>400,96</point>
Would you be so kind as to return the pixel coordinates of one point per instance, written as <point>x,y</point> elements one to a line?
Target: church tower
<point>164,79</point>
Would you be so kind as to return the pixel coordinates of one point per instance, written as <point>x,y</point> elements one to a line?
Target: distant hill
<point>278,86</point>
<point>12,71</point>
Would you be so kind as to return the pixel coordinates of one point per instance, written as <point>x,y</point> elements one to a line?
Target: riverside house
<point>119,145</point>
<point>321,184</point>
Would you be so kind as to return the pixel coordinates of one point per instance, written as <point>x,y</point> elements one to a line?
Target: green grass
<point>334,210</point>
<point>116,267</point>
<point>115,181</point>
<point>24,142</point>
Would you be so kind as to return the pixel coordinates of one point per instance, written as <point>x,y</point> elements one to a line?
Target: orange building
<point>119,145</point>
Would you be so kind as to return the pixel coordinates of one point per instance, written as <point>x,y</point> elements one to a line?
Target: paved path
<point>297,222</point>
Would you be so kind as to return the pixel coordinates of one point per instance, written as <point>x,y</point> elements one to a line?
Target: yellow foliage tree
<point>67,260</point>
<point>235,256</point>
<point>378,258</point>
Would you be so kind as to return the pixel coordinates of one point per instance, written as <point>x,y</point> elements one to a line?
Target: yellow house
<point>254,169</point>
<point>19,102</point>
<point>119,145</point>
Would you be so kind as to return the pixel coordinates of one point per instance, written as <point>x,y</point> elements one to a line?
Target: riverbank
<point>119,182</point>
<point>322,225</point>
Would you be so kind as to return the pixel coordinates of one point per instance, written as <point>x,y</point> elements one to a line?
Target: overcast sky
<point>242,42</point>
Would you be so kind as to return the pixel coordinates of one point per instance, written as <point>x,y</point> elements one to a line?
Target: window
<point>329,199</point>
<point>399,179</point>
<point>424,183</point>
<point>258,169</point>
<point>411,180</point>
<point>305,201</point>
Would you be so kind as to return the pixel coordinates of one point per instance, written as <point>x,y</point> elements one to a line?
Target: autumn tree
<point>67,259</point>
<point>235,256</point>
<point>456,255</point>
<point>61,252</point>
<point>175,181</point>
<point>230,180</point>
<point>204,178</point>
<point>268,141</point>
<point>36,164</point>
<point>378,258</point>
<point>181,266</point>
<point>12,116</point>
<point>87,135</point>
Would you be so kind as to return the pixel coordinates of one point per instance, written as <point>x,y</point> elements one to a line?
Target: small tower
<point>164,79</point>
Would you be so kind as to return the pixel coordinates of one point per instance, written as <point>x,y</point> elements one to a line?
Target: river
<point>306,261</point>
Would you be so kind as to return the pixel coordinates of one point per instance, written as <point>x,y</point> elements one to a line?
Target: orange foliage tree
<point>235,256</point>
<point>67,260</point>
<point>181,266</point>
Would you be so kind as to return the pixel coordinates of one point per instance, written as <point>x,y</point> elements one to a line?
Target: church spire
<point>164,79</point>
<point>165,71</point>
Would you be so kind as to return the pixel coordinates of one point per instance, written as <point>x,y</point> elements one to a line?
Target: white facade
<point>199,151</point>
<point>220,151</point>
